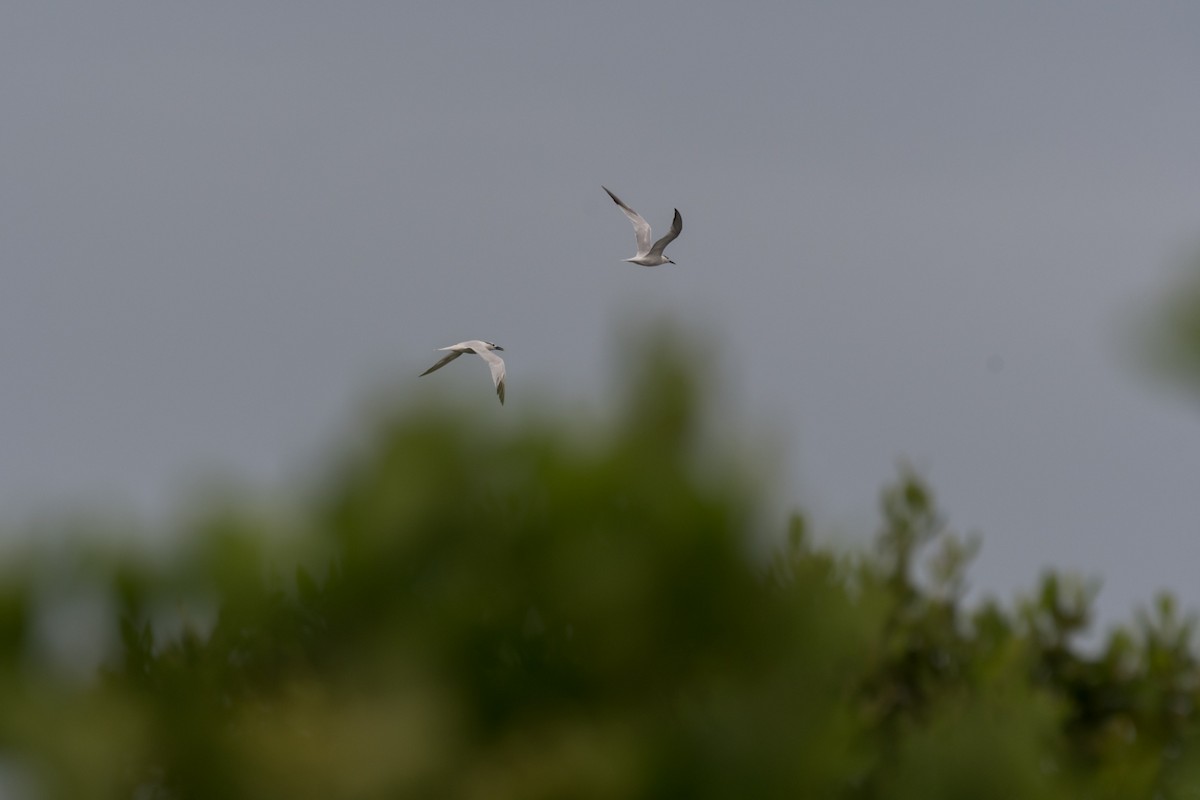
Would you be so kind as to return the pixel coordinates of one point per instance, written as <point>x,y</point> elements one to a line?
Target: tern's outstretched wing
<point>497,365</point>
<point>453,355</point>
<point>676,229</point>
<point>641,228</point>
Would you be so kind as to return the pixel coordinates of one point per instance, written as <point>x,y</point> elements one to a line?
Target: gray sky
<point>912,230</point>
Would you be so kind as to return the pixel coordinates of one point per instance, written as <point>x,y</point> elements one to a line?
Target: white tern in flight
<point>648,255</point>
<point>484,351</point>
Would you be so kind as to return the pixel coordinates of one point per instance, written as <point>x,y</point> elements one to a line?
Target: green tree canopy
<point>455,611</point>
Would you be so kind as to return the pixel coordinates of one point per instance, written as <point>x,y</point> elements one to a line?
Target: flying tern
<point>484,351</point>
<point>648,255</point>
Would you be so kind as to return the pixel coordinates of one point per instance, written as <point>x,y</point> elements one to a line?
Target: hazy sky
<point>911,231</point>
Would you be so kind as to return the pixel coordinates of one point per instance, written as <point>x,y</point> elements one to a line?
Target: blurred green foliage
<point>458,612</point>
<point>1168,332</point>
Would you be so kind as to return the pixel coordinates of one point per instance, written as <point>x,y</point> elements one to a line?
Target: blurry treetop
<point>457,612</point>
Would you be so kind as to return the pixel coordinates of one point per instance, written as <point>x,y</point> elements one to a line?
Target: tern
<point>484,351</point>
<point>648,255</point>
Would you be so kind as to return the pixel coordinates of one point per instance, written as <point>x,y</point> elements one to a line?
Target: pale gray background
<point>913,230</point>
